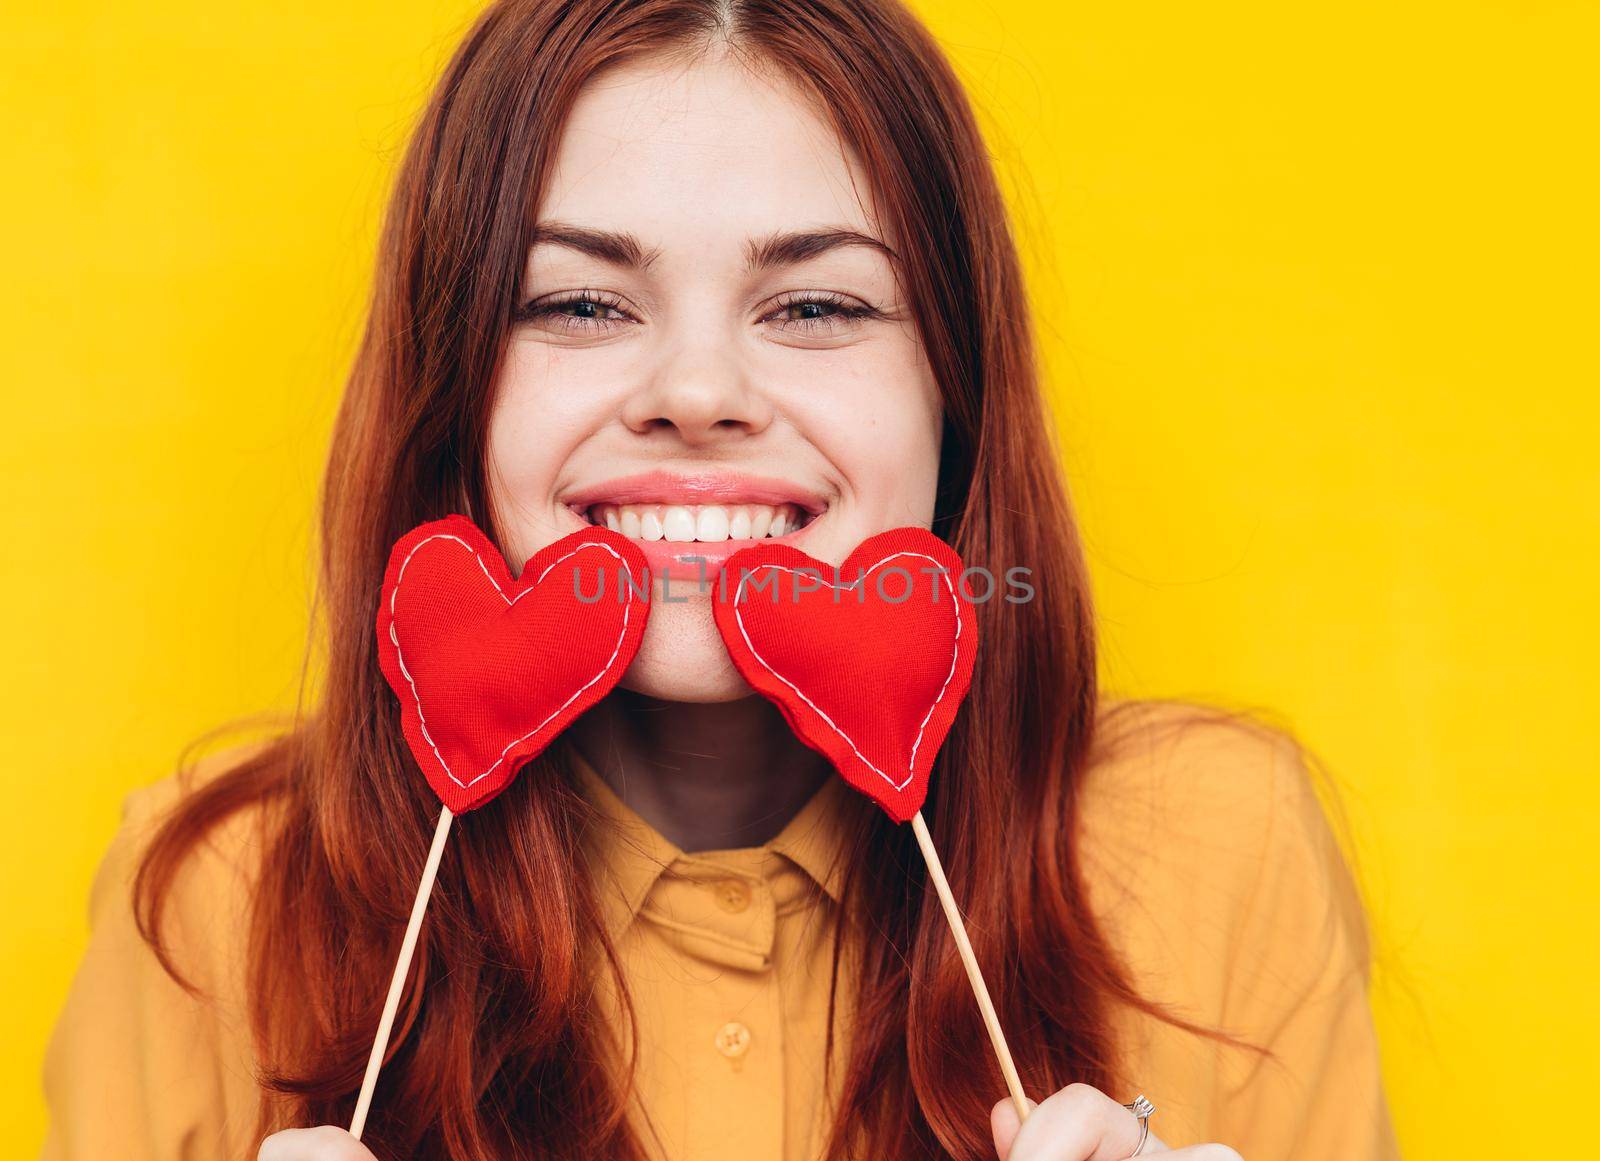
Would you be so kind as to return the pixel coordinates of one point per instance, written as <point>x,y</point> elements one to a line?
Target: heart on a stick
<point>488,668</point>
<point>869,663</point>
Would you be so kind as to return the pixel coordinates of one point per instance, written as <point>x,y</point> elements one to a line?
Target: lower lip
<point>698,561</point>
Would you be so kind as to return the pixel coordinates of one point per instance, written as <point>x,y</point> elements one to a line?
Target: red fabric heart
<point>868,671</point>
<point>489,669</point>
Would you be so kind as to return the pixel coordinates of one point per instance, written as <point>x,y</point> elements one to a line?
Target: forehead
<point>700,154</point>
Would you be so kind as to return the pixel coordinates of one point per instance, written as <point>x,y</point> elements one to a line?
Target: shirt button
<point>733,895</point>
<point>733,1040</point>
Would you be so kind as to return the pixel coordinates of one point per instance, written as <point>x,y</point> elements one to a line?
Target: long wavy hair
<point>494,1054</point>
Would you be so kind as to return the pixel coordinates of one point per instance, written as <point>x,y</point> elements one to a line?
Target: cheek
<point>878,422</point>
<point>533,425</point>
<point>539,417</point>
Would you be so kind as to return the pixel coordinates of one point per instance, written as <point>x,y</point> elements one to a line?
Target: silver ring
<point>1141,1108</point>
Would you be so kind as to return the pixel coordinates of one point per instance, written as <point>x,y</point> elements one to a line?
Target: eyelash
<point>844,309</point>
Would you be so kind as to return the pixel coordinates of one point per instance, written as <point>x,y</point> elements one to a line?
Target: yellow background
<point>1317,296</point>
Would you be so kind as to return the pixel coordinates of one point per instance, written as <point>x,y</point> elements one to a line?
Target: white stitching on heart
<point>944,574</point>
<point>627,611</point>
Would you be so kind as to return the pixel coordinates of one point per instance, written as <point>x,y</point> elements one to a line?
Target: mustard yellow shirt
<point>1210,864</point>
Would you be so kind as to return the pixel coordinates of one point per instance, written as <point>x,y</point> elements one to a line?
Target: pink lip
<point>697,563</point>
<point>659,487</point>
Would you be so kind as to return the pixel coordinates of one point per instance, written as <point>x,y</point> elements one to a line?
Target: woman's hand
<point>1081,1123</point>
<point>322,1144</point>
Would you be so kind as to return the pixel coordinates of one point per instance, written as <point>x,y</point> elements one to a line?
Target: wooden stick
<point>408,946</point>
<point>974,975</point>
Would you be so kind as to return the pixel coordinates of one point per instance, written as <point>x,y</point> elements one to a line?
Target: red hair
<point>490,1054</point>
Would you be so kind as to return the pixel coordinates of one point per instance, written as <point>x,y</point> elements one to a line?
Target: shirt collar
<point>632,854</point>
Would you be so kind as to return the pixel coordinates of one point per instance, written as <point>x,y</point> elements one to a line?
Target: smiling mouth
<point>698,523</point>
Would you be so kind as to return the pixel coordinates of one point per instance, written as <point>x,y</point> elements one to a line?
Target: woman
<point>713,269</point>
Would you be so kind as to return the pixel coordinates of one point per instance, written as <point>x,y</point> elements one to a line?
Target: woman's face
<point>713,350</point>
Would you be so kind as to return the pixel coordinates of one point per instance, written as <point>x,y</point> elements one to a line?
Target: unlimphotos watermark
<point>894,584</point>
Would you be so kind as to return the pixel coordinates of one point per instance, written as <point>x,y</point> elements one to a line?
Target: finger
<point>1152,1143</point>
<point>325,1143</point>
<point>1004,1123</point>
<point>1203,1153</point>
<point>1079,1123</point>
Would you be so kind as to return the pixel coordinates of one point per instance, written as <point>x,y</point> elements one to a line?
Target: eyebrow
<point>783,248</point>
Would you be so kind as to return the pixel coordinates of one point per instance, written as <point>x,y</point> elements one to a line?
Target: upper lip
<point>700,487</point>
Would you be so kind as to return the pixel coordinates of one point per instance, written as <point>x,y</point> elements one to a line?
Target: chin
<point>682,657</point>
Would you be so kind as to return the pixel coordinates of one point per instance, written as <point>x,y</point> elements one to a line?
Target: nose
<point>703,400</point>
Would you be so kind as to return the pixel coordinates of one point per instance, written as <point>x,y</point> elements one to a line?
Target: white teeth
<point>677,525</point>
<point>710,523</point>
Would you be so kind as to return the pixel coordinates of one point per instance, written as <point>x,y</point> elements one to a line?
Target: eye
<point>591,310</point>
<point>820,311</point>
